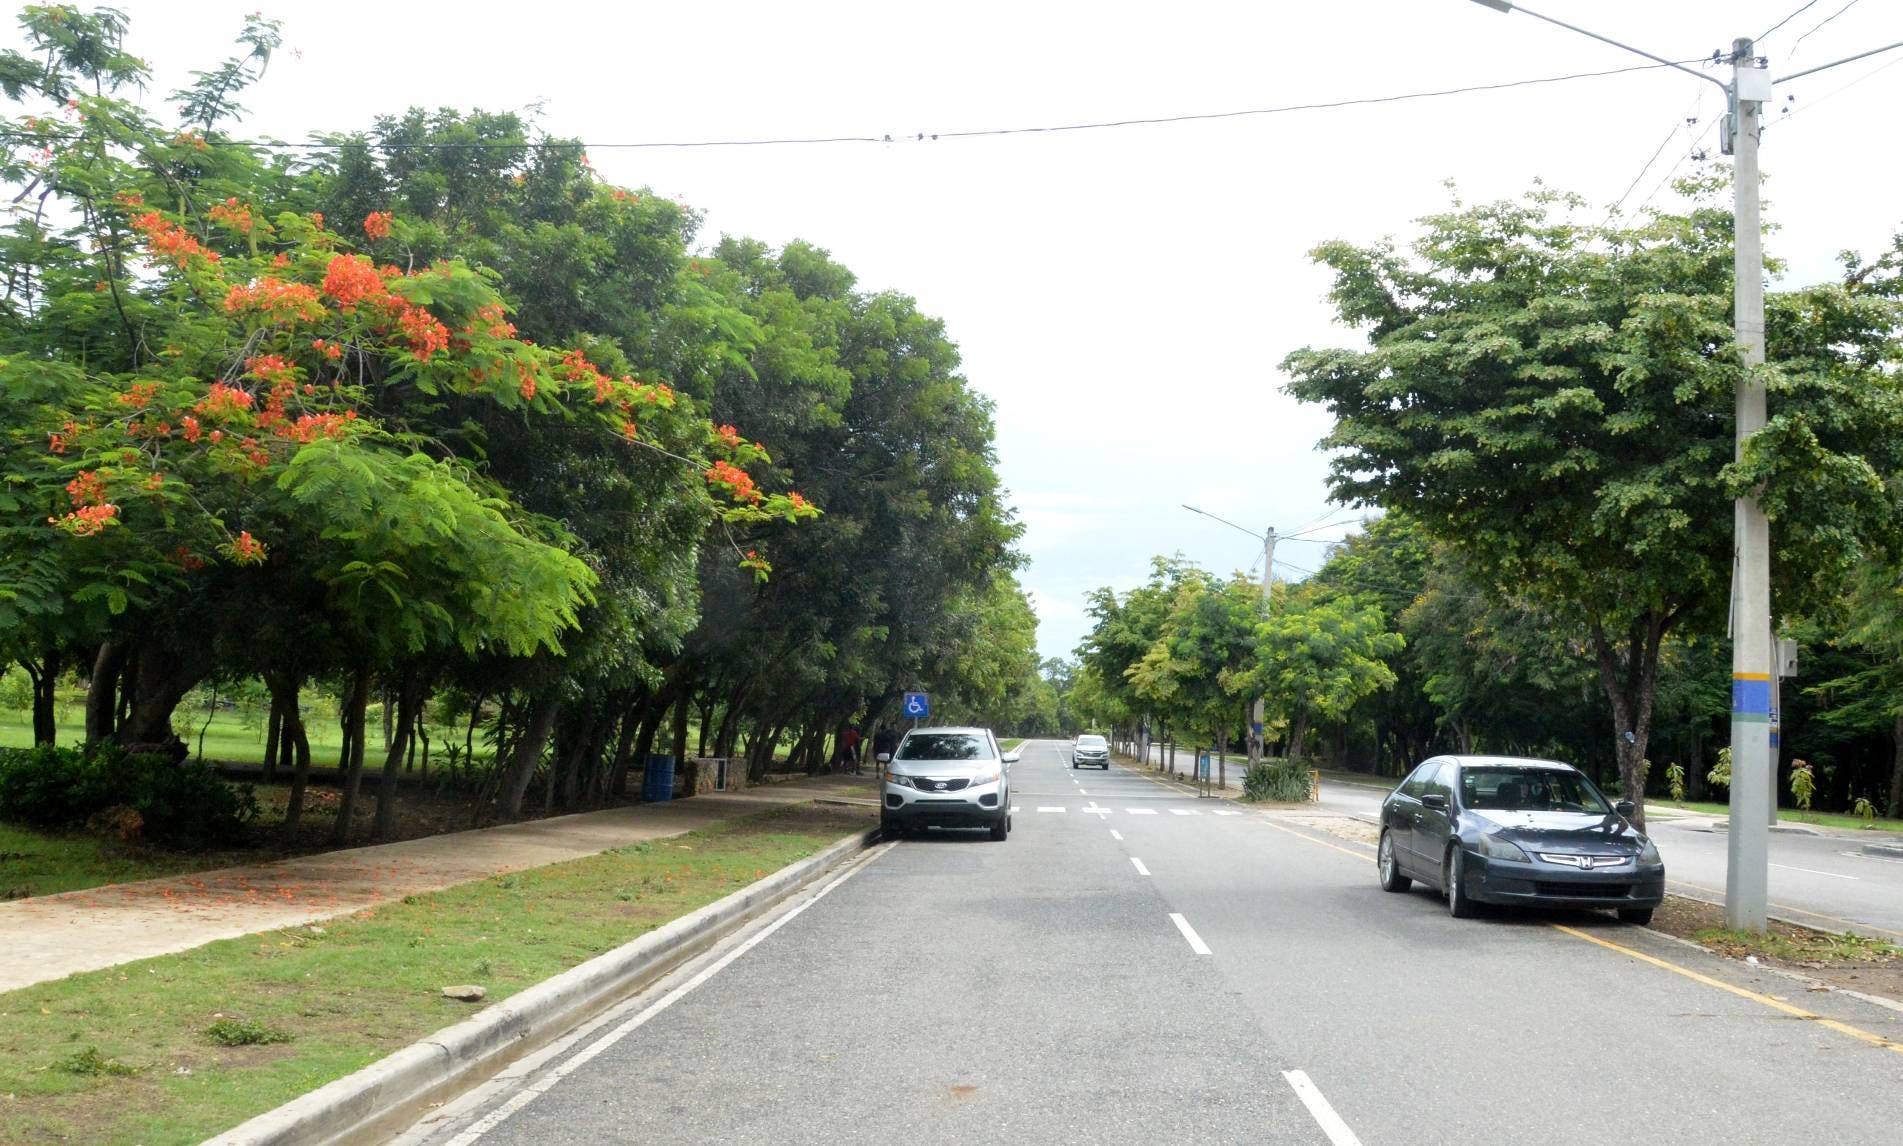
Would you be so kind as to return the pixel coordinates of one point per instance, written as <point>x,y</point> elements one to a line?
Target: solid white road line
<point>1813,871</point>
<point>1196,943</point>
<point>1115,834</point>
<point>1141,870</point>
<point>1141,811</point>
<point>1331,1123</point>
<point>1049,808</point>
<point>568,1066</point>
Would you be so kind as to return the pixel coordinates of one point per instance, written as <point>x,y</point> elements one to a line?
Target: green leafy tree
<point>1554,400</point>
<point>1317,655</point>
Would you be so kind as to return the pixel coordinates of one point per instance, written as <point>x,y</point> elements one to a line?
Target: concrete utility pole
<point>1268,581</point>
<point>1753,771</point>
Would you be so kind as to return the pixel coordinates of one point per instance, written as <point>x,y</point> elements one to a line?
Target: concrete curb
<point>358,1106</point>
<point>1891,851</point>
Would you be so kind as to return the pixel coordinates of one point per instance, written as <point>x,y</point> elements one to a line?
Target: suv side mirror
<point>1434,800</point>
<point>1625,808</point>
<point>1013,757</point>
<point>883,757</point>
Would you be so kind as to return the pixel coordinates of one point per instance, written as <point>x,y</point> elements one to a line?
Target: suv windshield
<point>1090,742</point>
<point>944,746</point>
<point>1529,790</point>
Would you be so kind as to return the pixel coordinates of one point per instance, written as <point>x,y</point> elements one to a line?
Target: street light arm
<point>1845,60</point>
<point>1225,521</point>
<point>1509,7</point>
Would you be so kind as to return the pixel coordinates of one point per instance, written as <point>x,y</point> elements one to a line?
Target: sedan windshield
<point>1529,790</point>
<point>944,746</point>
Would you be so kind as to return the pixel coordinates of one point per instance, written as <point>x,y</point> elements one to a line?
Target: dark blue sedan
<point>1508,830</point>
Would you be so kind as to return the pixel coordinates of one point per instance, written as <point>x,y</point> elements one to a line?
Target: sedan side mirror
<point>883,757</point>
<point>1013,757</point>
<point>1625,808</point>
<point>1434,800</point>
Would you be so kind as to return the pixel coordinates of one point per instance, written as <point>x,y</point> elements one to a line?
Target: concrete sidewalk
<point>53,936</point>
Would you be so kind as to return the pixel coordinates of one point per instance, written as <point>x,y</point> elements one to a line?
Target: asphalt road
<point>1821,879</point>
<point>1135,965</point>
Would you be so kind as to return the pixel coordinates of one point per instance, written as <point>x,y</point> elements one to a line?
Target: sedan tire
<point>1391,877</point>
<point>1639,915</point>
<point>1458,905</point>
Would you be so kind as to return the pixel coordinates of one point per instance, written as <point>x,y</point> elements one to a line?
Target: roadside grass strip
<point>144,1052</point>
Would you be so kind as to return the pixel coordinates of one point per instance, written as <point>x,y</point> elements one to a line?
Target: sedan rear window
<point>1529,790</point>
<point>944,746</point>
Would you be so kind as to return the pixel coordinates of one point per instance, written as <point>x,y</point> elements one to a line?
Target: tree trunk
<point>706,712</point>
<point>1297,732</point>
<point>681,709</point>
<point>162,671</point>
<point>102,697</point>
<point>1896,773</point>
<point>651,717</point>
<point>44,673</point>
<point>295,738</point>
<point>410,694</point>
<point>356,706</point>
<point>1222,758</point>
<point>274,727</point>
<point>528,754</point>
<point>1630,687</point>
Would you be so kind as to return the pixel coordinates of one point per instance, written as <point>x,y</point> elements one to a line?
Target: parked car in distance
<point>1509,830</point>
<point>1090,749</point>
<point>946,778</point>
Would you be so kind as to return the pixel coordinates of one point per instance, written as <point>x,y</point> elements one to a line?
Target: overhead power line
<point>926,137</point>
<point>1819,24</point>
<point>1794,15</point>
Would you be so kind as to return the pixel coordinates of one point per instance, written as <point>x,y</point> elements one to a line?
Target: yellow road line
<point>1858,1033</point>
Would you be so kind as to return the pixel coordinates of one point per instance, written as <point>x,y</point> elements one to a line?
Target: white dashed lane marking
<point>1141,870</point>
<point>1048,808</point>
<point>1141,811</point>
<point>1325,1116</point>
<point>1196,943</point>
<point>1115,834</point>
<point>1184,812</point>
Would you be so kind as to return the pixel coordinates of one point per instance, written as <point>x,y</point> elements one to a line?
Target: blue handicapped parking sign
<point>916,705</point>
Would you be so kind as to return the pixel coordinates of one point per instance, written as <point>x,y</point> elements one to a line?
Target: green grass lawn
<point>41,863</point>
<point>143,1053</point>
<point>231,738</point>
<point>1833,820</point>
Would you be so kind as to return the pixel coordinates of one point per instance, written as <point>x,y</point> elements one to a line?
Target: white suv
<point>1090,749</point>
<point>946,778</point>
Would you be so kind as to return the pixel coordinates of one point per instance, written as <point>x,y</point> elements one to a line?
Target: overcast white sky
<point>1124,295</point>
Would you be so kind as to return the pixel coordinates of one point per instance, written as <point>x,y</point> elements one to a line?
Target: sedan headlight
<point>1498,847</point>
<point>1649,853</point>
<point>901,781</point>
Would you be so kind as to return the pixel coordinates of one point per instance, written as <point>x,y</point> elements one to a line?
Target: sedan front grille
<point>1586,863</point>
<point>1583,890</point>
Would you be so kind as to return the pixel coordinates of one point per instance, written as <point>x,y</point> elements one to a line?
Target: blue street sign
<point>916,705</point>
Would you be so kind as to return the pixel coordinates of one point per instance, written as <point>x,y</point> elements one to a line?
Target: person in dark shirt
<point>884,742</point>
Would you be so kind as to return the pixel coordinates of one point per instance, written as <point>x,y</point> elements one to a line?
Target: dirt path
<point>53,936</point>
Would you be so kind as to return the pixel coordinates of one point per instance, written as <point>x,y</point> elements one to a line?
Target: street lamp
<point>1268,565</point>
<point>1753,773</point>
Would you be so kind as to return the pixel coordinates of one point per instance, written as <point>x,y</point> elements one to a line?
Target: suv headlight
<point>1496,847</point>
<point>990,777</point>
<point>1649,852</point>
<point>901,781</point>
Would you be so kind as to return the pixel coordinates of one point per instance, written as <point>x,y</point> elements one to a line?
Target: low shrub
<point>1277,780</point>
<point>132,797</point>
<point>233,1032</point>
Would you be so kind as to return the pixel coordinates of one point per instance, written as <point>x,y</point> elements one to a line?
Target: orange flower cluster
<point>575,367</point>
<point>271,369</point>
<point>310,427</point>
<point>274,299</point>
<point>233,214</point>
<point>88,488</point>
<point>223,401</point>
<point>377,224</point>
<point>155,481</point>
<point>139,396</point>
<point>192,430</point>
<point>129,199</point>
<point>729,435</point>
<point>246,550</point>
<point>350,279</point>
<point>330,350</point>
<point>426,332</point>
<point>164,238</point>
<point>87,520</point>
<point>799,502</point>
<point>739,482</point>
<point>56,443</point>
<point>496,324</point>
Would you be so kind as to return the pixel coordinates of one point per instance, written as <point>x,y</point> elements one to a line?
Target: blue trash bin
<point>658,782</point>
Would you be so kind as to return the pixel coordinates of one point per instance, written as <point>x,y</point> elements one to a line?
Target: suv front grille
<point>954,784</point>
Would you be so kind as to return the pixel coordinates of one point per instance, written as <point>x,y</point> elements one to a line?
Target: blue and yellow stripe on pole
<point>1751,697</point>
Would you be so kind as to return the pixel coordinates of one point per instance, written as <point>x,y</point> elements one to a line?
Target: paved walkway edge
<point>362,1107</point>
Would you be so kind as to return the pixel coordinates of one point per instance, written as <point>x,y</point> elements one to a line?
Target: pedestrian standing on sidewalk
<point>849,747</point>
<point>884,742</point>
